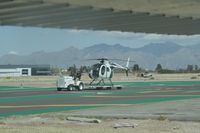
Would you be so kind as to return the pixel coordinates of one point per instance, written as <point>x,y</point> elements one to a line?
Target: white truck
<point>69,83</point>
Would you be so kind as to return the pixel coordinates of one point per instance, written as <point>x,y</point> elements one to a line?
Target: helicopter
<point>104,70</point>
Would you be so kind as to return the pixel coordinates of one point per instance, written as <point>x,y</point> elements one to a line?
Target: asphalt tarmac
<point>27,100</point>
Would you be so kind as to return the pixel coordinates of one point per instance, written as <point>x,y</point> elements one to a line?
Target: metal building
<point>12,72</point>
<point>24,70</point>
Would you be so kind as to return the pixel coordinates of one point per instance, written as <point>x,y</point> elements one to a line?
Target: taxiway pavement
<point>26,100</point>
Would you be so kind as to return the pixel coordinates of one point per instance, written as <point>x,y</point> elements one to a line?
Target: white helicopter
<point>104,70</point>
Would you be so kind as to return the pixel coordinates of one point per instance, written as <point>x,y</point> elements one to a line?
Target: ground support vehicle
<point>69,83</point>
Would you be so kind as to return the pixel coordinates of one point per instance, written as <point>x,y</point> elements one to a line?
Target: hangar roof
<point>147,16</point>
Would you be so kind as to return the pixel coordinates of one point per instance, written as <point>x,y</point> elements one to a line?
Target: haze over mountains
<point>170,55</point>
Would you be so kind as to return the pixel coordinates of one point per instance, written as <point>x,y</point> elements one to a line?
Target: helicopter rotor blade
<point>122,60</point>
<point>98,59</point>
<point>114,59</point>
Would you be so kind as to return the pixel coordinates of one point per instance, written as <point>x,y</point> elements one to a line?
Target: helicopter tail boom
<point>127,64</point>
<point>115,65</point>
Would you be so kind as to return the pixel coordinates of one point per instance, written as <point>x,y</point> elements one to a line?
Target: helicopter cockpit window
<point>95,70</point>
<point>108,69</point>
<point>96,67</point>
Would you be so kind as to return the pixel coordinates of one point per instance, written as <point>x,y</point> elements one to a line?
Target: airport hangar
<point>177,17</point>
<point>24,70</point>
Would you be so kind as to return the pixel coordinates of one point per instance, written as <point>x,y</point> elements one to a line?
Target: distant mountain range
<point>170,55</point>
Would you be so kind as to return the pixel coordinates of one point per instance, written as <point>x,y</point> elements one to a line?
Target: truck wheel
<point>59,89</point>
<point>80,87</point>
<point>70,88</point>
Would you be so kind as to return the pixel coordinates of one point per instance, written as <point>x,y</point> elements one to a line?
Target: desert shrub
<point>193,77</point>
<point>162,118</point>
<point>8,77</point>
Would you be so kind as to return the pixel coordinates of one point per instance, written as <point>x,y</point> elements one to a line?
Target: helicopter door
<point>105,71</point>
<point>102,71</point>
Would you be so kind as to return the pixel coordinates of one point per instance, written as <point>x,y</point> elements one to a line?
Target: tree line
<point>159,69</point>
<point>71,70</point>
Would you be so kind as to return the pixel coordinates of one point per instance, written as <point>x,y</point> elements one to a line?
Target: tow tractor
<point>69,83</point>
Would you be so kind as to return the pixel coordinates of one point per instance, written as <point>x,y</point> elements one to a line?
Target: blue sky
<point>24,40</point>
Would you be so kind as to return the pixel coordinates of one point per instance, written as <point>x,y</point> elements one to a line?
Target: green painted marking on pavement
<point>25,89</point>
<point>159,83</point>
<point>45,110</point>
<point>18,88</point>
<point>156,99</point>
<point>128,92</point>
<point>7,87</point>
<point>42,97</point>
